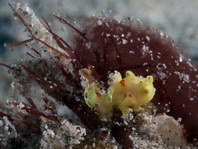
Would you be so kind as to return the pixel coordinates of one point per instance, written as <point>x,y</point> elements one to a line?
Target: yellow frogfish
<point>129,93</point>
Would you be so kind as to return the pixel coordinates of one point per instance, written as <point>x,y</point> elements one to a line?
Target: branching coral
<point>79,75</point>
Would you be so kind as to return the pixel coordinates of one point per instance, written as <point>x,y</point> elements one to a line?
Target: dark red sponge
<point>109,45</point>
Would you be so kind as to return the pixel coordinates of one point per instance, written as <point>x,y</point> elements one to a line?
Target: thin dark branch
<point>18,43</point>
<point>33,49</point>
<point>48,26</point>
<point>67,75</point>
<point>31,102</point>
<point>40,78</point>
<point>28,53</point>
<point>3,114</point>
<point>7,66</point>
<point>67,23</point>
<point>50,105</point>
<point>54,49</point>
<point>118,53</point>
<point>22,120</point>
<point>59,40</point>
<point>31,110</point>
<point>20,18</point>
